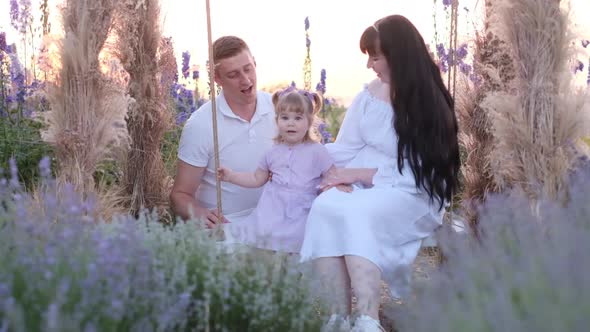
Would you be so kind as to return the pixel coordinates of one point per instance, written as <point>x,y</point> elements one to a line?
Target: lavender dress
<point>278,221</point>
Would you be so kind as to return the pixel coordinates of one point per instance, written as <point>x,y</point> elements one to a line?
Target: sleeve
<point>323,159</point>
<point>376,127</point>
<point>264,163</point>
<point>196,142</point>
<point>345,148</point>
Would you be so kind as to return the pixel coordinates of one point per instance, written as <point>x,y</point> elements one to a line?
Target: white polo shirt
<point>241,146</point>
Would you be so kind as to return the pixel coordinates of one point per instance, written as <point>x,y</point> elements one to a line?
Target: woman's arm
<point>243,179</point>
<point>338,176</point>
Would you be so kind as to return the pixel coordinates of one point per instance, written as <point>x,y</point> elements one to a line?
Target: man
<point>246,126</point>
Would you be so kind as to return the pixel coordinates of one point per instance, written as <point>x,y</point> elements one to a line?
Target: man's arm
<point>182,198</point>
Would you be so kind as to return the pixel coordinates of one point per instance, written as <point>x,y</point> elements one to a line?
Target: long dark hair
<point>424,119</point>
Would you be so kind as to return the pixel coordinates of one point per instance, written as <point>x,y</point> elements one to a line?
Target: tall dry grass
<point>87,117</point>
<point>147,57</point>
<point>493,67</point>
<point>539,121</point>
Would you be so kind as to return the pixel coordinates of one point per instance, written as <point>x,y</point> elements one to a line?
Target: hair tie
<point>294,89</point>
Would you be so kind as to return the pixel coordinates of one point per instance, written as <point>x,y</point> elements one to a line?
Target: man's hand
<point>210,217</point>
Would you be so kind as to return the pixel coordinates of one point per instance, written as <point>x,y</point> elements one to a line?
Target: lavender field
<point>89,127</point>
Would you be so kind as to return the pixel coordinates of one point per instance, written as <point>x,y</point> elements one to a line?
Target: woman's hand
<point>347,176</point>
<point>347,188</point>
<point>337,176</point>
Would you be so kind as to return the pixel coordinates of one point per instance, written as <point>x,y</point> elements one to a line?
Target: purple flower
<point>306,23</point>
<point>321,86</point>
<point>464,68</point>
<point>186,57</point>
<point>14,182</point>
<point>588,79</point>
<point>462,52</point>
<point>475,79</point>
<point>585,43</point>
<point>14,13</point>
<point>45,167</point>
<point>2,42</point>
<point>447,3</point>
<point>292,84</point>
<point>195,74</point>
<point>579,67</point>
<point>326,136</point>
<point>307,42</point>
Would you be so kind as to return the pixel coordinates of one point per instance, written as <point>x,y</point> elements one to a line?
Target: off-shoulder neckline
<point>372,97</point>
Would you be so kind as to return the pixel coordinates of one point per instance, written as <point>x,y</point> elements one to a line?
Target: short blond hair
<point>228,46</point>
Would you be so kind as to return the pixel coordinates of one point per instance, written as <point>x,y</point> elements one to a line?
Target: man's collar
<point>224,108</point>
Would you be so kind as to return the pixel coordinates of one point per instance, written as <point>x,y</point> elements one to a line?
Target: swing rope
<point>219,229</point>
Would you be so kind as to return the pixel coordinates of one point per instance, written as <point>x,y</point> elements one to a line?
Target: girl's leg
<point>334,284</point>
<point>365,278</point>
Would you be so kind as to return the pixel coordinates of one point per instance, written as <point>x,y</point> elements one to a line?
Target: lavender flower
<point>579,67</point>
<point>321,86</point>
<point>306,23</point>
<point>45,167</point>
<point>25,16</point>
<point>585,43</point>
<point>307,42</point>
<point>326,136</point>
<point>186,57</point>
<point>588,79</point>
<point>14,14</point>
<point>476,79</point>
<point>443,57</point>
<point>447,3</point>
<point>195,75</point>
<point>2,42</point>
<point>462,52</point>
<point>464,68</point>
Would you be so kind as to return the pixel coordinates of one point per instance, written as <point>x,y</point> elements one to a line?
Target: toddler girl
<point>297,163</point>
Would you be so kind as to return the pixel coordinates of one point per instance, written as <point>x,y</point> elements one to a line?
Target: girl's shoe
<point>366,323</point>
<point>337,323</point>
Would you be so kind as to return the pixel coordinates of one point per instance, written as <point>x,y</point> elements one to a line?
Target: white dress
<point>384,223</point>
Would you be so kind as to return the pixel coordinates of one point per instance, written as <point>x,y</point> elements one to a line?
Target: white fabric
<point>241,146</point>
<point>385,223</point>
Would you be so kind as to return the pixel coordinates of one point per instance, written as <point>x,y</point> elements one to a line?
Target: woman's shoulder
<point>378,90</point>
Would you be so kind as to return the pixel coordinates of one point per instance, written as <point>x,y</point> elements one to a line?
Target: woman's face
<point>378,63</point>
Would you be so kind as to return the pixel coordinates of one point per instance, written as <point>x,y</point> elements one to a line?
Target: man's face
<point>237,77</point>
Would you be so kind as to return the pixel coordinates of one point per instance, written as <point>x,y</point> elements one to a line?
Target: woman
<point>398,149</point>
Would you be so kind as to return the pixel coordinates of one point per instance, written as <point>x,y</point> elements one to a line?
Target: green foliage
<point>332,115</point>
<point>21,140</point>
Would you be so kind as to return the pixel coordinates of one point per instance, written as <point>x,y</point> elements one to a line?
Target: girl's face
<point>293,127</point>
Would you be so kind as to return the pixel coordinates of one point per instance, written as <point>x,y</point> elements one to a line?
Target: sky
<point>274,30</point>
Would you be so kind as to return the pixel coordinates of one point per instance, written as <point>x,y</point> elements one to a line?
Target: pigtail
<point>317,102</point>
<point>275,98</point>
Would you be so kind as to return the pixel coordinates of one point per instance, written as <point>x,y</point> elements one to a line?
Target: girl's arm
<point>243,179</point>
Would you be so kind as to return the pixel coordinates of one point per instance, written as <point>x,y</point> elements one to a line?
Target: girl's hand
<point>224,174</point>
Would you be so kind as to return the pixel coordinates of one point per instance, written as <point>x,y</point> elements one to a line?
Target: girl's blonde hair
<point>301,102</point>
